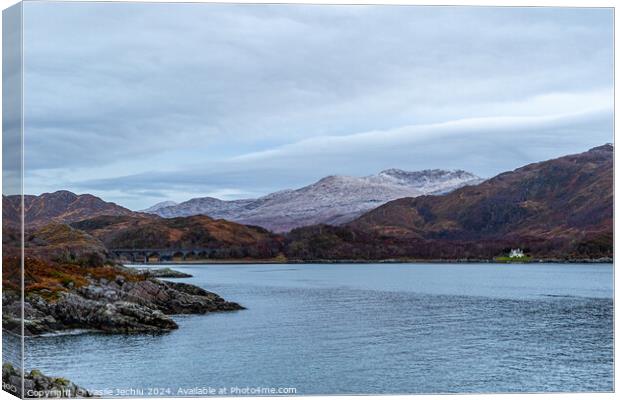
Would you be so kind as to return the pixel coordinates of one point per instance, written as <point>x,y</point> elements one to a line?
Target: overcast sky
<point>140,103</point>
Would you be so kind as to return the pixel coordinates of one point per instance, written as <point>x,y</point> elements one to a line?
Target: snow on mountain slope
<point>210,206</point>
<point>158,206</point>
<point>332,200</point>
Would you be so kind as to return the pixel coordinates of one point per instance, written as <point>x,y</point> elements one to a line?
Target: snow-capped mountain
<point>210,206</point>
<point>332,200</point>
<point>152,209</point>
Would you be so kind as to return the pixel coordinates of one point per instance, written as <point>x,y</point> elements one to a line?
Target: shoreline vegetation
<point>499,260</point>
<point>560,209</point>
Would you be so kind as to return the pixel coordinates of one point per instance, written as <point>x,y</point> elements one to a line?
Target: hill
<point>332,200</point>
<point>61,207</point>
<point>558,208</point>
<point>228,239</point>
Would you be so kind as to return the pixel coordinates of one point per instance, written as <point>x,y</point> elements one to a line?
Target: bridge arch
<point>157,255</point>
<point>153,256</point>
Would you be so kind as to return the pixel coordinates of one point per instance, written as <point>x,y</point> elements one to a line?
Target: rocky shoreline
<point>125,304</point>
<point>37,385</point>
<point>163,273</point>
<point>110,298</point>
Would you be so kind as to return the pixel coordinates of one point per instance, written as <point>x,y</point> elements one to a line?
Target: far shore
<point>388,261</point>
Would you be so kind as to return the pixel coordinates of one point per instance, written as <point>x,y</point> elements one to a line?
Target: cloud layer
<point>144,102</point>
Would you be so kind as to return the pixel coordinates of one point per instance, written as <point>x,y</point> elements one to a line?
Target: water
<point>372,328</point>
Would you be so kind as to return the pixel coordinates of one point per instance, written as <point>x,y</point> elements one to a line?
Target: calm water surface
<point>372,328</point>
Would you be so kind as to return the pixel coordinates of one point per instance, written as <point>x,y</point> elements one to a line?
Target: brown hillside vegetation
<point>48,278</point>
<point>228,239</point>
<point>61,206</point>
<point>558,208</point>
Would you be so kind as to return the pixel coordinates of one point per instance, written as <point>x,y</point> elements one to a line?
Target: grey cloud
<point>12,101</point>
<point>117,88</point>
<point>485,146</point>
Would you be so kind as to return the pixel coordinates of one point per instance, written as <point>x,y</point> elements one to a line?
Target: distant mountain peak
<point>333,199</point>
<point>605,147</point>
<point>559,208</point>
<point>61,194</point>
<point>398,171</point>
<point>330,179</point>
<point>433,173</point>
<point>160,205</point>
<point>61,206</point>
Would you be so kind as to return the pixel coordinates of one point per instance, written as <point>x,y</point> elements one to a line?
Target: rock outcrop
<point>110,299</point>
<point>38,385</point>
<point>164,273</point>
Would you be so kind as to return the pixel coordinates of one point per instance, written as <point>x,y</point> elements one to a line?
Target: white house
<point>516,253</point>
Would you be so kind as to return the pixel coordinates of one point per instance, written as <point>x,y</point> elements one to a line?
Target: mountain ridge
<point>560,208</point>
<point>61,206</point>
<point>334,199</point>
<point>525,194</point>
<point>158,206</point>
<point>226,239</point>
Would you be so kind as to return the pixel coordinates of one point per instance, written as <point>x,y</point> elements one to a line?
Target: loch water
<point>363,328</point>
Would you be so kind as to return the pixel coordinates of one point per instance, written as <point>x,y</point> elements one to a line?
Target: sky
<point>141,103</point>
